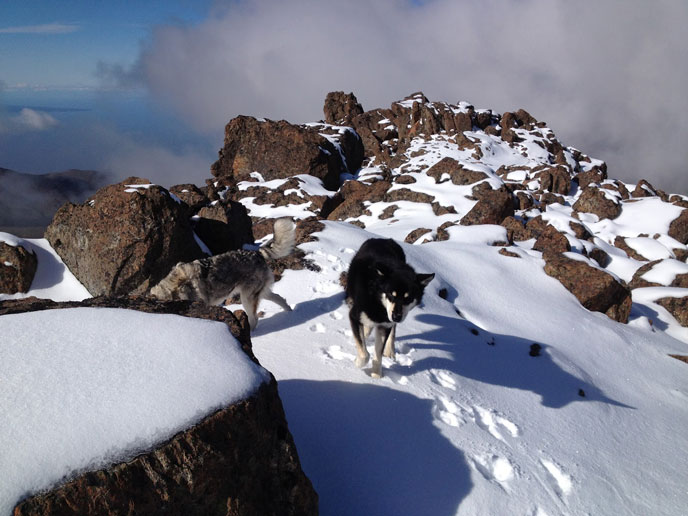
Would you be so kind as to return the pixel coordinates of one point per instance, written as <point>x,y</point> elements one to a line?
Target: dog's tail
<point>284,239</point>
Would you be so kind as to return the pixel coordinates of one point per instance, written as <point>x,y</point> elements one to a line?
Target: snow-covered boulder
<point>116,411</point>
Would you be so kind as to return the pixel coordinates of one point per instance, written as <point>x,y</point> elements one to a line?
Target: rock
<point>493,207</point>
<point>17,268</point>
<point>193,196</point>
<point>644,189</point>
<point>124,239</point>
<point>595,289</point>
<point>455,172</point>
<point>680,280</point>
<point>594,200</point>
<point>515,230</point>
<point>593,175</point>
<point>280,150</point>
<point>551,240</point>
<point>620,242</point>
<point>341,108</point>
<point>676,306</point>
<point>556,180</point>
<point>416,234</point>
<point>678,229</point>
<point>241,460</point>
<point>224,226</point>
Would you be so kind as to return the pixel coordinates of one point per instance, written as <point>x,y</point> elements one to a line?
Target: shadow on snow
<point>373,450</point>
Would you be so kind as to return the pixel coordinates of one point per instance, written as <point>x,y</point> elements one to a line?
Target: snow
<point>83,388</point>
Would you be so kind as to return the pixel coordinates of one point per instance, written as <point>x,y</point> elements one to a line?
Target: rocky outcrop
<point>279,150</point>
<point>551,240</point>
<point>124,239</point>
<point>239,461</point>
<point>676,306</point>
<point>594,200</point>
<point>678,228</point>
<point>341,108</point>
<point>596,290</point>
<point>17,268</point>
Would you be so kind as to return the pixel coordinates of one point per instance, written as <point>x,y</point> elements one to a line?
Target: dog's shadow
<point>370,449</point>
<point>300,314</point>
<point>503,360</point>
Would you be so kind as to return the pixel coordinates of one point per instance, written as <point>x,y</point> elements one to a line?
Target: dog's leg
<point>389,344</point>
<point>359,333</point>
<point>381,337</point>
<point>276,298</point>
<point>250,302</point>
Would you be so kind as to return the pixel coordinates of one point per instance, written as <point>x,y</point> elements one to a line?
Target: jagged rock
<point>493,207</point>
<point>511,121</point>
<point>239,461</point>
<point>516,230</point>
<point>414,235</point>
<point>593,175</point>
<point>678,229</point>
<point>620,242</point>
<point>580,230</point>
<point>680,280</point>
<point>455,172</point>
<point>224,226</point>
<point>550,198</point>
<point>676,306</point>
<point>551,240</point>
<point>279,150</point>
<point>536,226</point>
<point>556,180</point>
<point>124,239</point>
<point>616,186</point>
<point>341,108</point>
<point>595,289</point>
<point>193,196</point>
<point>644,189</point>
<point>17,268</point>
<point>593,200</point>
<point>374,128</point>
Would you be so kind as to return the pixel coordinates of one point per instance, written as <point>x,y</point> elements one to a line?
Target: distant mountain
<point>29,201</point>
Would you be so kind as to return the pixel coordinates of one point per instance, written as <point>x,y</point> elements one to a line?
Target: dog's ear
<point>424,279</point>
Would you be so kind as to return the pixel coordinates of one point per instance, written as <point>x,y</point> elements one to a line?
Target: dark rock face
<point>238,461</point>
<point>17,268</point>
<point>595,289</point>
<point>593,200</point>
<point>193,196</point>
<point>341,108</point>
<point>455,172</point>
<point>124,239</point>
<point>280,150</point>
<point>224,226</point>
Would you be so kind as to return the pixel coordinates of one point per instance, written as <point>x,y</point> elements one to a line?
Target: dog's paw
<point>377,370</point>
<point>361,361</point>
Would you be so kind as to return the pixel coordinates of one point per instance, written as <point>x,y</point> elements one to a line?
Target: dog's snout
<point>397,314</point>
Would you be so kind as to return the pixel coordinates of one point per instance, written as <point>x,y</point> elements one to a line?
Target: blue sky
<point>59,43</point>
<point>155,82</point>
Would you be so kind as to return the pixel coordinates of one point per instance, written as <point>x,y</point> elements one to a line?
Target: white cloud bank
<point>609,77</point>
<point>27,120</point>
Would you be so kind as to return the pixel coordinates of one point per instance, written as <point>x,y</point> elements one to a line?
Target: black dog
<point>381,289</point>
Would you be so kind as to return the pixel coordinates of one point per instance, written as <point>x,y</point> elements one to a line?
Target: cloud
<point>27,120</point>
<point>609,77</point>
<point>48,28</point>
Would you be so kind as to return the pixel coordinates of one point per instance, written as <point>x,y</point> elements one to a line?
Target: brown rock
<point>594,175</point>
<point>678,228</point>
<point>680,280</point>
<point>191,195</point>
<point>593,200</point>
<point>516,230</point>
<point>17,268</point>
<point>123,239</point>
<point>595,289</point>
<point>620,242</point>
<point>556,180</point>
<point>280,150</point>
<point>551,240</point>
<point>644,189</point>
<point>676,306</point>
<point>240,460</point>
<point>493,207</point>
<point>414,235</point>
<point>341,108</point>
<point>456,172</point>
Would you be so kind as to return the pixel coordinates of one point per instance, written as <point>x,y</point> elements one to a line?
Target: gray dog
<point>214,279</point>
